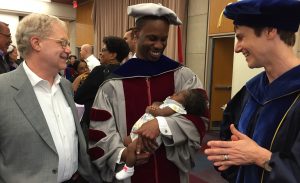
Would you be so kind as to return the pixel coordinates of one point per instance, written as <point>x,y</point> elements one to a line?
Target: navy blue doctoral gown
<point>270,115</point>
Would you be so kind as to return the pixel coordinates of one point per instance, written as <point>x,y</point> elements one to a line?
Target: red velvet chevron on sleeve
<point>99,115</point>
<point>96,135</point>
<point>95,153</point>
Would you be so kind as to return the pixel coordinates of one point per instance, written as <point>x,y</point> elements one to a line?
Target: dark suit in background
<point>3,66</point>
<point>5,40</point>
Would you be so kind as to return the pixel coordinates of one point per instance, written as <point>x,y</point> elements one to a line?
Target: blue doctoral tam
<point>280,14</point>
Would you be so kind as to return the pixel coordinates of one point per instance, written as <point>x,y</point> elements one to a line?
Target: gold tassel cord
<point>221,16</point>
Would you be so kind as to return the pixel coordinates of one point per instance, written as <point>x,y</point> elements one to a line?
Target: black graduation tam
<point>281,14</point>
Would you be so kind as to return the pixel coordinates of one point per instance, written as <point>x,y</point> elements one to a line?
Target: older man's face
<point>152,40</point>
<point>130,40</point>
<point>5,37</point>
<point>53,52</point>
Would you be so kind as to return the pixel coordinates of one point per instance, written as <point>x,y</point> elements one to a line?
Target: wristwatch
<point>267,166</point>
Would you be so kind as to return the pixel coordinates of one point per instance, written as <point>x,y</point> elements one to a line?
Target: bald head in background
<point>86,50</point>
<point>86,53</point>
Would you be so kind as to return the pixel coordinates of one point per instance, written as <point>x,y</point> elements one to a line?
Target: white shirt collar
<point>89,57</point>
<point>35,79</point>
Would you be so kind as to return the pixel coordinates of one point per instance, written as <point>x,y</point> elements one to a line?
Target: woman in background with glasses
<point>81,71</point>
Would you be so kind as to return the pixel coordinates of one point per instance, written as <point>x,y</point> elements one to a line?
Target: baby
<point>191,101</point>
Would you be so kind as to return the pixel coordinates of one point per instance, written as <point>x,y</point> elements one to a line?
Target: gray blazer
<point>27,150</point>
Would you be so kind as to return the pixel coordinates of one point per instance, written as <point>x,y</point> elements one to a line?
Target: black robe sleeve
<point>285,160</point>
<point>232,114</point>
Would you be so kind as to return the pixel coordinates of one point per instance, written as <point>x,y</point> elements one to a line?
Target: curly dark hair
<point>117,45</point>
<point>76,64</point>
<point>196,102</point>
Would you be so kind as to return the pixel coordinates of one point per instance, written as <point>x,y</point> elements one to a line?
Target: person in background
<point>123,98</point>
<point>5,41</point>
<point>193,101</point>
<point>69,72</point>
<point>130,39</point>
<point>86,53</point>
<point>11,57</point>
<point>81,72</point>
<point>114,50</point>
<point>19,60</point>
<point>260,128</point>
<point>71,60</point>
<point>41,138</point>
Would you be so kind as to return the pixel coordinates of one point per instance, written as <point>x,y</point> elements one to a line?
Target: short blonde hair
<point>34,25</point>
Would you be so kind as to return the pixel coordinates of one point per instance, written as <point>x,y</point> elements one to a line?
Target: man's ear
<point>35,43</point>
<point>271,32</point>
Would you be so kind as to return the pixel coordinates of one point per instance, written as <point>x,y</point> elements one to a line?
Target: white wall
<point>10,10</point>
<point>241,73</point>
<point>12,21</point>
<point>196,37</point>
<point>72,34</point>
<point>23,7</point>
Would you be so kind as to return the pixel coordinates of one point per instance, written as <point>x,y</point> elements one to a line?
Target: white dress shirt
<point>92,62</point>
<point>60,121</point>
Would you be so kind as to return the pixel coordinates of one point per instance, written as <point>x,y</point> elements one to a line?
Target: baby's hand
<point>150,109</point>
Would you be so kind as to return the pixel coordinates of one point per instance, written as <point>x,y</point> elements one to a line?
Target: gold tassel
<point>221,17</point>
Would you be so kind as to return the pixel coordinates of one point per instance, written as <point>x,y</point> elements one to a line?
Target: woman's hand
<point>242,150</point>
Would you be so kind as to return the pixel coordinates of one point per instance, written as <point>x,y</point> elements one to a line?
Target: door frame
<point>209,67</point>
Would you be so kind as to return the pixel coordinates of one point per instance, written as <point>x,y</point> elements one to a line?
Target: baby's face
<point>180,96</point>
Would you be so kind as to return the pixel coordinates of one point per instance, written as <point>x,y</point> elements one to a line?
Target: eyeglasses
<point>6,35</point>
<point>64,43</point>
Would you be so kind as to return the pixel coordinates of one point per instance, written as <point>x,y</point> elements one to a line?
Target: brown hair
<point>288,37</point>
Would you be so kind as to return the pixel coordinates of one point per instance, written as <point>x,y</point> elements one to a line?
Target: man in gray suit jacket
<point>40,136</point>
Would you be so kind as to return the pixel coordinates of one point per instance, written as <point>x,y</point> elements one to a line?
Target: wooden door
<point>216,8</point>
<point>222,65</point>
